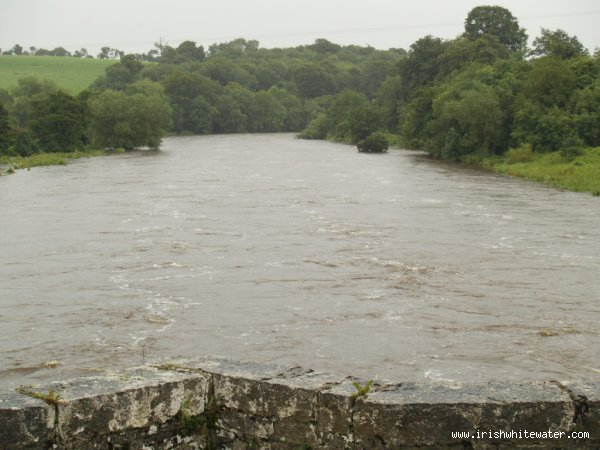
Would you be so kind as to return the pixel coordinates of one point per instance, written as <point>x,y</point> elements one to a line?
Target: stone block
<point>586,398</point>
<point>25,422</point>
<point>425,414</point>
<point>260,406</point>
<point>128,400</point>
<point>334,426</point>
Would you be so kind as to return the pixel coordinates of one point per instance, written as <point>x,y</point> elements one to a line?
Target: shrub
<point>25,144</point>
<point>571,149</point>
<point>317,128</point>
<point>374,143</point>
<point>524,153</point>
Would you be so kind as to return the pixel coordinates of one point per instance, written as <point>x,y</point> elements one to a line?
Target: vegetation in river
<point>374,143</point>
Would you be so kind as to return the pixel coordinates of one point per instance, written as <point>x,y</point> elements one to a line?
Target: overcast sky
<point>134,25</point>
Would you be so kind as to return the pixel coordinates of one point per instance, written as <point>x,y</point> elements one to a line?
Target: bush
<point>25,144</point>
<point>524,153</point>
<point>316,129</point>
<point>374,143</point>
<point>118,119</point>
<point>571,149</point>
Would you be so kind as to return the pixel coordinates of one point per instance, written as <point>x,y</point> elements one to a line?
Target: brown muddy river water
<point>272,249</point>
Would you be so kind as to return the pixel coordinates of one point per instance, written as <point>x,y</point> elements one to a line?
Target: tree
<point>586,71</point>
<point>269,73</point>
<point>4,130</point>
<point>201,116</point>
<point>341,113</point>
<point>269,114</point>
<point>422,65</point>
<point>364,121</point>
<point>110,53</point>
<point>81,53</point>
<point>557,44</point>
<point>374,143</point>
<point>187,50</point>
<point>229,117</point>
<point>120,75</point>
<point>313,81</point>
<point>497,21</point>
<point>296,116</point>
<point>586,109</point>
<point>58,122</point>
<point>59,51</point>
<point>317,128</point>
<point>25,144</point>
<point>545,129</point>
<point>466,118</point>
<point>551,82</point>
<point>147,87</point>
<point>226,71</point>
<point>462,52</point>
<point>119,119</point>
<point>414,117</point>
<point>374,72</point>
<point>388,97</point>
<point>17,50</point>
<point>234,49</point>
<point>323,46</point>
<point>27,91</point>
<point>183,88</point>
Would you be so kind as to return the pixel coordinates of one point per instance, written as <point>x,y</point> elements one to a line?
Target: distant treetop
<point>497,21</point>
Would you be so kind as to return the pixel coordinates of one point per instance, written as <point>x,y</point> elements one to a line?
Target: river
<point>272,249</point>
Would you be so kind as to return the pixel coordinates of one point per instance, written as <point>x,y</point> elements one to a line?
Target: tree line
<point>482,93</point>
<point>105,52</point>
<point>234,87</point>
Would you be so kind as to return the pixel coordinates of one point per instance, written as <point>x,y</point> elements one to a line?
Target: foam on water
<point>263,247</point>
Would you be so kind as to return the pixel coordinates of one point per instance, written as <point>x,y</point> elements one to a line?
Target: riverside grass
<point>580,174</point>
<point>71,74</point>
<point>12,163</point>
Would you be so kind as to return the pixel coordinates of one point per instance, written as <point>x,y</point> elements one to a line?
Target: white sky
<point>134,25</point>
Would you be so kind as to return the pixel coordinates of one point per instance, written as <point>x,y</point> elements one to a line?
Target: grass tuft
<point>51,398</point>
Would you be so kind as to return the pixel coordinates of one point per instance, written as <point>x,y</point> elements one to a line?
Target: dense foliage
<point>234,87</point>
<point>134,118</point>
<point>476,96</point>
<point>374,143</point>
<point>479,94</point>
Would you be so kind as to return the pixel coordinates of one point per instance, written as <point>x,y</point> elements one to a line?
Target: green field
<point>72,74</point>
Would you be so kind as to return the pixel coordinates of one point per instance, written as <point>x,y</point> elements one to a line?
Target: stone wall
<point>231,405</point>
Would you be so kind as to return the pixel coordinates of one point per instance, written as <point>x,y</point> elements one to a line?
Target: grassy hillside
<point>72,74</point>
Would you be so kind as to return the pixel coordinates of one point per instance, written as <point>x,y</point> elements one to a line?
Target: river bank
<point>8,164</point>
<point>579,174</point>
